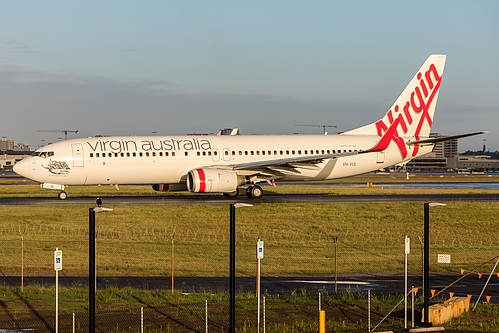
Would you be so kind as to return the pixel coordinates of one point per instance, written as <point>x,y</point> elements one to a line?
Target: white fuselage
<point>163,159</point>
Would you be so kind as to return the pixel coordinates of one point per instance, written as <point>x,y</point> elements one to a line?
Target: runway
<point>218,200</point>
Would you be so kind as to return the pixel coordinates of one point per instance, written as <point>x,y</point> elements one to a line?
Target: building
<point>10,154</point>
<point>10,157</point>
<point>6,145</point>
<point>437,160</point>
<point>465,163</point>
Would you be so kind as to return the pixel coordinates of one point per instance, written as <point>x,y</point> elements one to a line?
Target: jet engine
<point>169,187</point>
<point>213,180</point>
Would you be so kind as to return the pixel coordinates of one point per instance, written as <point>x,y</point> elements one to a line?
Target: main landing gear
<point>62,195</point>
<point>254,192</point>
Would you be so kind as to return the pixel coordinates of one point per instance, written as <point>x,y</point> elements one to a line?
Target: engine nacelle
<point>169,187</point>
<point>213,180</point>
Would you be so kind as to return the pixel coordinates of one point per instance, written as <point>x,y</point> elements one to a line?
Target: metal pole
<point>369,310</point>
<point>232,273</point>
<point>172,236</point>
<point>263,314</point>
<point>486,283</point>
<point>91,268</point>
<point>405,285</point>
<point>426,260</point>
<point>258,287</point>
<point>206,314</point>
<point>56,300</point>
<point>335,264</point>
<point>412,306</point>
<point>22,257</point>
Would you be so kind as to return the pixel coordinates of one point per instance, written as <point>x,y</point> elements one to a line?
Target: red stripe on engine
<point>202,183</point>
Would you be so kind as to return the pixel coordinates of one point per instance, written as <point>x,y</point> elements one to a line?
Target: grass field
<point>299,238</point>
<point>118,310</point>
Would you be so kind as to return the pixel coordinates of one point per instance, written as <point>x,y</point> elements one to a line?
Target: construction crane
<point>323,127</point>
<point>60,131</point>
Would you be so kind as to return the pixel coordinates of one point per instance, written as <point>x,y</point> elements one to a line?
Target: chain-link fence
<point>303,246</point>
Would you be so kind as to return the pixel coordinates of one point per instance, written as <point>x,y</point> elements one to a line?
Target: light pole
<point>426,260</point>
<point>232,266</point>
<point>91,265</point>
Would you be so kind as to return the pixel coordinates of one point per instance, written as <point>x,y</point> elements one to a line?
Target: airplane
<point>221,164</point>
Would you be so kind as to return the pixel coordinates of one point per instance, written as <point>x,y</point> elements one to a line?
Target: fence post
<point>141,319</point>
<point>263,314</point>
<point>369,310</point>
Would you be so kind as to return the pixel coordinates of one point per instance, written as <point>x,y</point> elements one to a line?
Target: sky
<point>178,67</point>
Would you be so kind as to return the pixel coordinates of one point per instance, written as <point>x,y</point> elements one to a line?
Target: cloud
<point>16,47</point>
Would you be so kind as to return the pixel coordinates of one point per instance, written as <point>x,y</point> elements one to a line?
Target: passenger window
<point>122,154</point>
<point>91,155</point>
<point>166,154</point>
<point>134,154</point>
<point>140,154</point>
<point>127,154</point>
<point>154,154</point>
<point>173,153</point>
<point>186,154</point>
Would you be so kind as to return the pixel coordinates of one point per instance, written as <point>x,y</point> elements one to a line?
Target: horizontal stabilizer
<point>442,139</point>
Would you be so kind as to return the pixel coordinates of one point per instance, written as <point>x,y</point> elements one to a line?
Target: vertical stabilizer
<point>412,113</point>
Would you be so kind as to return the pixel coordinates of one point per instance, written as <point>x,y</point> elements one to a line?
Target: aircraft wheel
<point>62,195</point>
<point>254,192</point>
<point>233,194</point>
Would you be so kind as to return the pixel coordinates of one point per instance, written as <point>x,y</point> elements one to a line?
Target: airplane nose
<point>22,168</point>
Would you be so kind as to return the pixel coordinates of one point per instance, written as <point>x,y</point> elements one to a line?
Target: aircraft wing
<point>288,165</point>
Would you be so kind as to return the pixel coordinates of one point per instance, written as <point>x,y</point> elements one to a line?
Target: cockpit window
<point>43,154</point>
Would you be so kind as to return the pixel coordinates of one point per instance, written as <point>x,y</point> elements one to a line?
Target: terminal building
<point>445,158</point>
<point>10,154</point>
